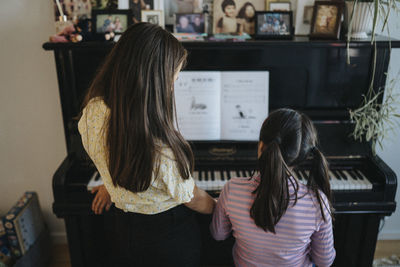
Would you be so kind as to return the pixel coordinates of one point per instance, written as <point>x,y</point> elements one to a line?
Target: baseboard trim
<point>59,238</point>
<point>389,235</point>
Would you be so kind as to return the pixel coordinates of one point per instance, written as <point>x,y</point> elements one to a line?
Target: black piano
<point>311,76</point>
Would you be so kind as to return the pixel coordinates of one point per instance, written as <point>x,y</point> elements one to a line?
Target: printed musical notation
<point>213,105</point>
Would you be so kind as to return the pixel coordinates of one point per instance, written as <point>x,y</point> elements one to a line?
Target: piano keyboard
<point>214,180</point>
<point>341,179</point>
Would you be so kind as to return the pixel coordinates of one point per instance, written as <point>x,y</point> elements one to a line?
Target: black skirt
<point>170,238</point>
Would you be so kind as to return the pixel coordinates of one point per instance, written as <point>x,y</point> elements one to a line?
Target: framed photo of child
<point>154,17</point>
<point>326,20</point>
<point>190,23</point>
<point>236,16</point>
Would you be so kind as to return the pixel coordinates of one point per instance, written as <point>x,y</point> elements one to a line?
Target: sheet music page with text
<point>197,96</point>
<point>244,104</point>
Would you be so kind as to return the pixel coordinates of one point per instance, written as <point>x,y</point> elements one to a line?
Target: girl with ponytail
<point>276,220</point>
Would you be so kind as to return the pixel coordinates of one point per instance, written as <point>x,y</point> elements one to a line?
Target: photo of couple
<point>236,16</point>
<point>111,23</point>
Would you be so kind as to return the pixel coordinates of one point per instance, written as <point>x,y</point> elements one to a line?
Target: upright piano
<point>311,76</point>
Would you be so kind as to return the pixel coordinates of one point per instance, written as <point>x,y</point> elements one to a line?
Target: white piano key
<point>202,182</point>
<point>364,179</point>
<point>354,184</point>
<point>218,181</point>
<point>335,183</point>
<point>210,184</point>
<point>225,175</point>
<point>240,174</point>
<point>196,175</point>
<point>232,174</point>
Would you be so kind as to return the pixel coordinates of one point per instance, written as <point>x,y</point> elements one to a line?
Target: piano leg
<point>355,238</point>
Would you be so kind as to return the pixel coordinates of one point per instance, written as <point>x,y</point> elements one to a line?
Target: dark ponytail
<point>319,178</point>
<point>272,194</point>
<point>287,139</point>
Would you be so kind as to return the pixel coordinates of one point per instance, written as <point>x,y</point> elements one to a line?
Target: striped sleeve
<point>221,226</point>
<point>322,250</point>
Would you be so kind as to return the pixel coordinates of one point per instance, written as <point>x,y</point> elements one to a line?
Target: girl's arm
<point>201,202</point>
<point>221,226</point>
<point>322,251</point>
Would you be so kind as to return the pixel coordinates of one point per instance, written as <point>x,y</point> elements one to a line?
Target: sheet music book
<point>221,105</point>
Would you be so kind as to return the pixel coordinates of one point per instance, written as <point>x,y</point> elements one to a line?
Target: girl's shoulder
<point>242,184</point>
<point>96,103</point>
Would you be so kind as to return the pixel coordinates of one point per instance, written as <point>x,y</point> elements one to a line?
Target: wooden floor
<point>384,248</point>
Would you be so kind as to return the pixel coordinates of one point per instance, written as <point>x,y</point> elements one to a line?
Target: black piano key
<point>303,175</point>
<point>299,175</point>
<point>359,174</point>
<point>200,175</point>
<point>222,175</point>
<point>337,176</point>
<point>353,175</point>
<point>343,175</point>
<point>211,173</point>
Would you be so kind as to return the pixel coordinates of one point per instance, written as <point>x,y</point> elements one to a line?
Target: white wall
<point>391,147</point>
<point>31,132</point>
<point>32,141</point>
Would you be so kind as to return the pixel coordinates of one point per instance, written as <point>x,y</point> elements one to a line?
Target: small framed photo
<point>326,20</point>
<point>105,21</point>
<point>190,23</point>
<point>154,17</point>
<point>274,25</point>
<point>304,13</point>
<point>279,6</point>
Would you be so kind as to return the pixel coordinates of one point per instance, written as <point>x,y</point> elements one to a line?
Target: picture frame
<point>268,3</point>
<point>326,20</point>
<point>154,17</point>
<point>274,25</point>
<point>105,21</point>
<point>137,6</point>
<point>195,23</point>
<point>226,13</point>
<point>304,13</point>
<point>172,7</point>
<point>280,6</point>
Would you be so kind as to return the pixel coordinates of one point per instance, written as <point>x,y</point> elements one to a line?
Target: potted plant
<point>373,120</point>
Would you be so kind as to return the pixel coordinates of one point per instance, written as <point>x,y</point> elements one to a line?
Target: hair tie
<point>277,140</point>
<point>313,149</point>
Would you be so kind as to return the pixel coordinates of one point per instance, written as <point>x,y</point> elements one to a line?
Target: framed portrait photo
<point>236,16</point>
<point>154,17</point>
<point>274,25</point>
<point>326,20</point>
<point>279,6</point>
<point>190,23</point>
<point>105,21</point>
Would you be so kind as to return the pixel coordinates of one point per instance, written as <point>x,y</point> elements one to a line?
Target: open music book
<point>221,105</point>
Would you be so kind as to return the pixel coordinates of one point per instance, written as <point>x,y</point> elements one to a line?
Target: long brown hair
<point>290,138</point>
<point>136,83</point>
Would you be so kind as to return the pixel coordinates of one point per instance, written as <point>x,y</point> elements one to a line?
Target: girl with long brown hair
<point>276,220</point>
<point>128,130</point>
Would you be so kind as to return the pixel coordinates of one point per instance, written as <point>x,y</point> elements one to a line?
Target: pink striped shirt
<point>302,236</point>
